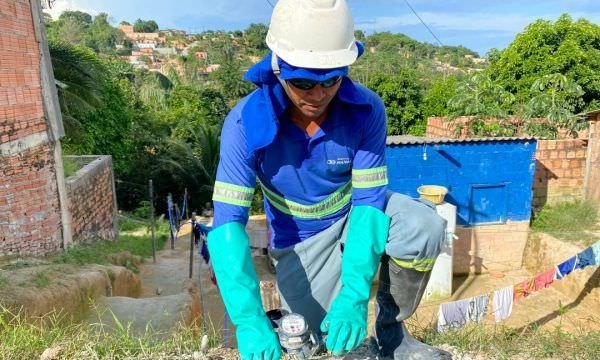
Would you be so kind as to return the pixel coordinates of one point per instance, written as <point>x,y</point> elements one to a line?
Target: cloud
<point>62,5</point>
<point>455,22</point>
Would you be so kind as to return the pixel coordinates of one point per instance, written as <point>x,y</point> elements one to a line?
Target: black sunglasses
<point>307,84</point>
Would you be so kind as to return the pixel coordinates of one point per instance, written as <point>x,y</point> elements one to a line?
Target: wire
<point>270,3</point>
<point>422,22</point>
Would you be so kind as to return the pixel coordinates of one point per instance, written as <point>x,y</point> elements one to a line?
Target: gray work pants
<point>308,273</point>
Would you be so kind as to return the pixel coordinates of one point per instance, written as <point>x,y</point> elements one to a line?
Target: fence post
<point>151,190</point>
<point>193,224</point>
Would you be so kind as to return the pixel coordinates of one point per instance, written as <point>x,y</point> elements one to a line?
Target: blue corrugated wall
<point>489,181</point>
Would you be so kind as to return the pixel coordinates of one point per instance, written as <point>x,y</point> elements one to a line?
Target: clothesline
<point>454,315</point>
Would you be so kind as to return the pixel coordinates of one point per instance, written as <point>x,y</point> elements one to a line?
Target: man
<point>315,141</point>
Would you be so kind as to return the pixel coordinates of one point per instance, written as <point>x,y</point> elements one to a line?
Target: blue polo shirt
<point>309,182</point>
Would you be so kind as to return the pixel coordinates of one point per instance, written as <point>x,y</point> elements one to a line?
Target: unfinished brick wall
<point>592,183</point>
<point>30,220</point>
<point>21,107</point>
<point>440,127</point>
<point>560,171</point>
<point>92,200</point>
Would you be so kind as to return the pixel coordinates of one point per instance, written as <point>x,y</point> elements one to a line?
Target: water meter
<point>294,335</point>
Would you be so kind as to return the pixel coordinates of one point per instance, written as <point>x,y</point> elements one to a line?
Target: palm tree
<point>190,164</point>
<point>79,76</point>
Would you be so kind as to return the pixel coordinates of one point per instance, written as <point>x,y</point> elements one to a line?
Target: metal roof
<point>416,140</point>
<point>591,115</point>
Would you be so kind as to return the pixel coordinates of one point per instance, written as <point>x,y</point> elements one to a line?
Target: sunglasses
<point>307,84</point>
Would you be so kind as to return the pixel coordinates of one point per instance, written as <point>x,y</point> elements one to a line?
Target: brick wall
<point>560,171</point>
<point>21,106</point>
<point>29,205</point>
<point>440,127</point>
<point>592,183</point>
<point>92,200</point>
<point>480,249</point>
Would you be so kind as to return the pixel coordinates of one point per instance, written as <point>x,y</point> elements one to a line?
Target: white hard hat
<point>317,34</point>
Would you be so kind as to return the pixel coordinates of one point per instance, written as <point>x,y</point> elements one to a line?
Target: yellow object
<point>433,193</point>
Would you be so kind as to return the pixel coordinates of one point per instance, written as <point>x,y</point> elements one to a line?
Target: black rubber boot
<point>400,291</point>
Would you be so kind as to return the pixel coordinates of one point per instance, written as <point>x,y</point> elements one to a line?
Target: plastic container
<point>433,193</point>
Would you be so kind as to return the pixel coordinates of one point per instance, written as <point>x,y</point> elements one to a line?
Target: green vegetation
<point>564,46</point>
<point>70,167</point>
<point>572,221</point>
<point>145,26</point>
<point>98,252</point>
<point>78,28</point>
<point>40,280</point>
<point>24,340</point>
<point>500,342</point>
<point>19,339</point>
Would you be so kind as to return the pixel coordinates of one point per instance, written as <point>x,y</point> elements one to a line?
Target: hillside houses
<point>152,50</point>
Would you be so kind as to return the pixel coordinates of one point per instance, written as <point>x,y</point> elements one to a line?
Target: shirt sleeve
<point>369,171</point>
<point>236,176</point>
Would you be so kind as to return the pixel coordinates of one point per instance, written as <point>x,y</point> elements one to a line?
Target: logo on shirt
<point>339,161</point>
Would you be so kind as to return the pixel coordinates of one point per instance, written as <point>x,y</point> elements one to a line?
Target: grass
<point>571,221</point>
<point>98,252</point>
<point>130,224</point>
<point>70,167</point>
<point>20,339</point>
<point>501,342</point>
<point>40,280</point>
<point>3,281</point>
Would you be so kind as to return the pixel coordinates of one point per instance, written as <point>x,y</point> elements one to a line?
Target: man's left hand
<point>345,325</point>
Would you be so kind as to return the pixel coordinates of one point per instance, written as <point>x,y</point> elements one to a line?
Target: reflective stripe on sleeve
<point>233,194</point>
<point>367,178</point>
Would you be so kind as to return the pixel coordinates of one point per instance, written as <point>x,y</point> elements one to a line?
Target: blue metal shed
<point>488,179</point>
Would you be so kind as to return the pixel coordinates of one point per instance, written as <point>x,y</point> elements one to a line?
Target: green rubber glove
<point>236,277</point>
<point>346,321</point>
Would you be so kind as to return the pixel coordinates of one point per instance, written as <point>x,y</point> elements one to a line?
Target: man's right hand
<point>238,283</point>
<point>257,340</point>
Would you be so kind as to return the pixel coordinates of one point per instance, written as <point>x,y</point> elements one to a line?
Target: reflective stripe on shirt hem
<point>333,203</point>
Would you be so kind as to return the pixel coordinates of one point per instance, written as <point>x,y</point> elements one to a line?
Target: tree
<point>79,74</point>
<point>71,31</point>
<point>486,104</point>
<point>565,47</point>
<point>555,98</point>
<point>145,26</point>
<point>255,36</point>
<point>435,101</point>
<point>229,77</point>
<point>80,17</point>
<point>102,37</point>
<point>190,164</point>
<point>479,96</point>
<point>360,35</point>
<point>194,106</point>
<point>401,93</point>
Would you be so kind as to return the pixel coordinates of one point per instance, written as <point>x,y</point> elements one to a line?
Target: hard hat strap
<point>277,71</point>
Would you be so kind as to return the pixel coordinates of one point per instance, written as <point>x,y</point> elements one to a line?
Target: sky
<point>475,24</point>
